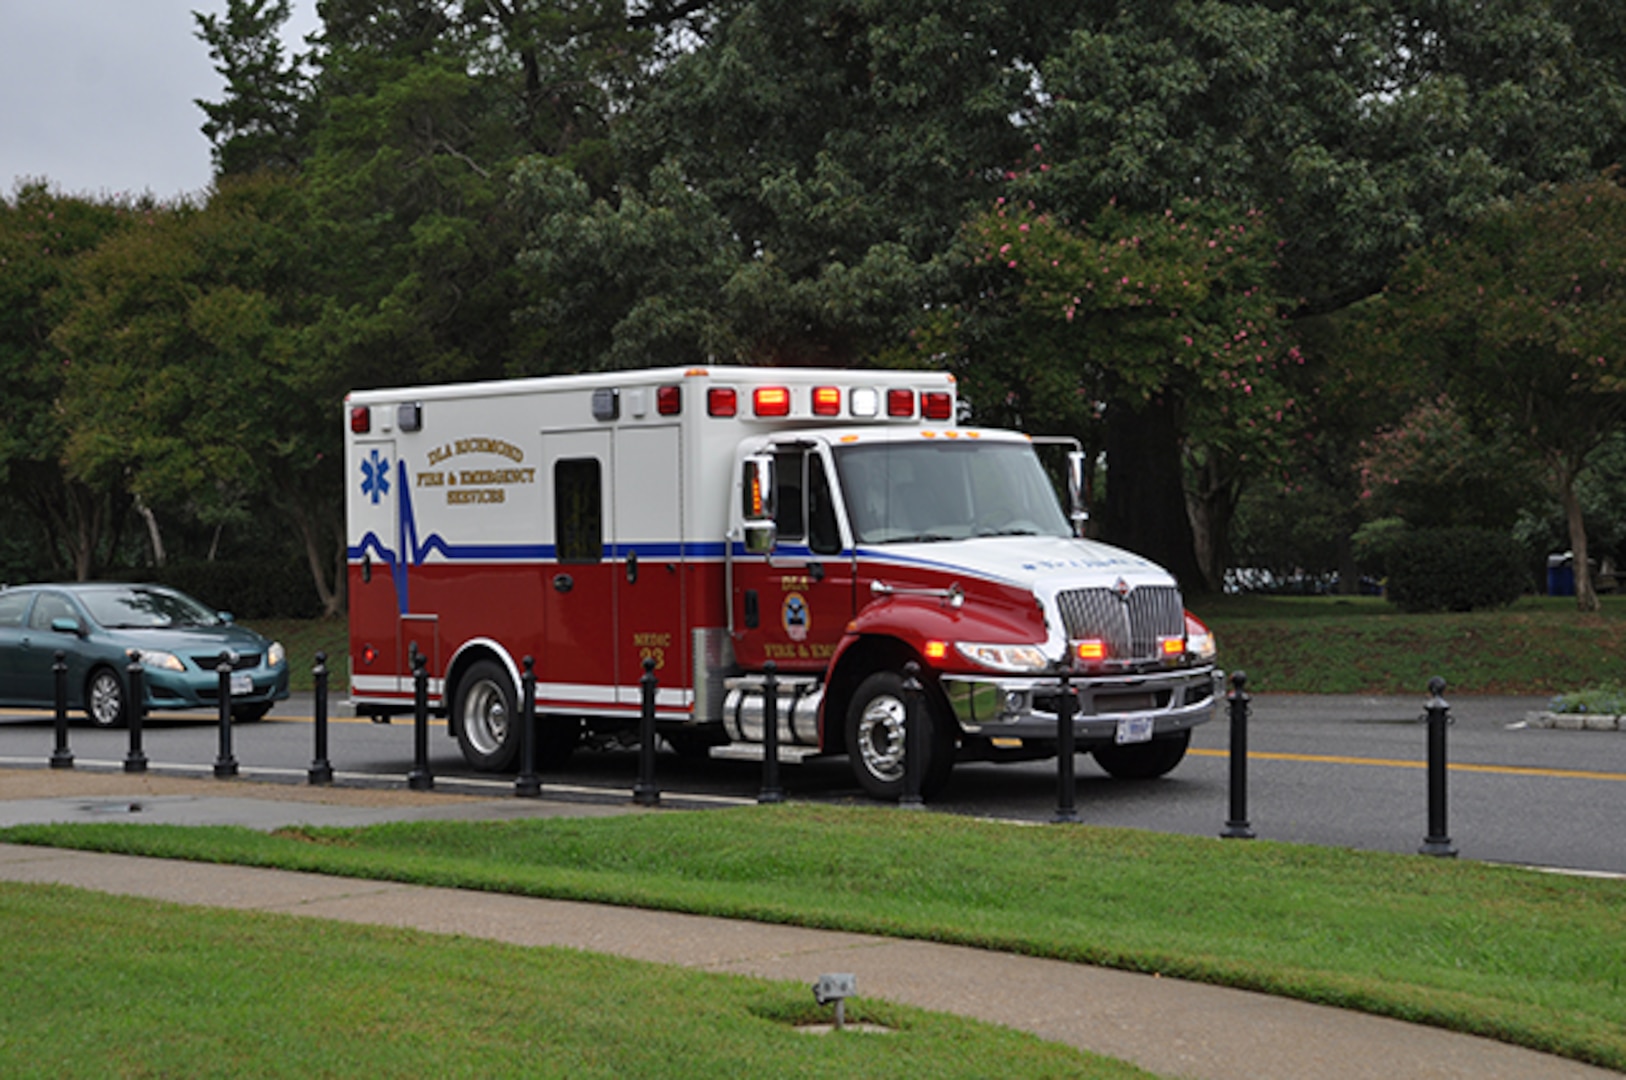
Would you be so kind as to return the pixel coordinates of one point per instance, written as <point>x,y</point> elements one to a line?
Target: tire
<point>105,702</point>
<point>249,714</point>
<point>1143,761</point>
<point>484,718</point>
<point>876,739</point>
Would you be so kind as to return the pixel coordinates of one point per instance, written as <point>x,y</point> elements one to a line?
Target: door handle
<point>563,583</point>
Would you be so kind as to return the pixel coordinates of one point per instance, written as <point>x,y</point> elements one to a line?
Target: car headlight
<point>274,656</point>
<point>152,658</point>
<point>1004,657</point>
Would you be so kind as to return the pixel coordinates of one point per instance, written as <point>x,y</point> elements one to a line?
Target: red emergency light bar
<point>722,401</point>
<point>900,403</point>
<point>361,420</point>
<point>937,405</point>
<point>826,401</point>
<point>771,401</point>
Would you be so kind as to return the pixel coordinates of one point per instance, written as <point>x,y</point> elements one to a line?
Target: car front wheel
<point>104,698</point>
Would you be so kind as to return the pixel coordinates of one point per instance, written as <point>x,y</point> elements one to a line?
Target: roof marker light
<point>669,400</point>
<point>361,420</point>
<point>722,401</point>
<point>771,401</point>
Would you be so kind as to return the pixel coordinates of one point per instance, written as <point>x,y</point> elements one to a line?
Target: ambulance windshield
<point>925,491</point>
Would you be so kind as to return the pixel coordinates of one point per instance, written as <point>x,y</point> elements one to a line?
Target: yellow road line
<point>1393,763</point>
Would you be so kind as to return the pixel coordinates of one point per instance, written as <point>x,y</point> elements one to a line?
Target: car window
<point>145,607</point>
<point>51,606</point>
<point>13,606</point>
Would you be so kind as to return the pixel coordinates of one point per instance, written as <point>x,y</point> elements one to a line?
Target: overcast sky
<point>98,94</point>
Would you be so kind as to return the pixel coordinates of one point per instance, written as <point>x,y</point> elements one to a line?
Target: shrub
<point>1606,698</point>
<point>1455,569</point>
<point>249,589</point>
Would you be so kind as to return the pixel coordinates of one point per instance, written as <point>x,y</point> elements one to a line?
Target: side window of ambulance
<point>823,531</point>
<point>578,510</point>
<point>787,469</point>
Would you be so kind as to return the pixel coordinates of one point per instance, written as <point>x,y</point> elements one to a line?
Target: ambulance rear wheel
<point>876,739</point>
<point>485,719</point>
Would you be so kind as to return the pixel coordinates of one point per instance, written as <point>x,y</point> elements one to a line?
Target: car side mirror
<point>66,625</point>
<point>225,617</point>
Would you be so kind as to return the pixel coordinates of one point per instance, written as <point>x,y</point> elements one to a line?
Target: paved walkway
<point>1168,1026</point>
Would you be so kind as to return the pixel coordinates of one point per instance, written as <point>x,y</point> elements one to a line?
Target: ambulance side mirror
<point>1075,492</point>
<point>761,533</point>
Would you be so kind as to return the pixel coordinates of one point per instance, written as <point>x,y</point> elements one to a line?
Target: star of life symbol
<point>375,477</point>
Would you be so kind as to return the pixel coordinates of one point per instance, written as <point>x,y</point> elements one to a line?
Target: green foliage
<point>249,589</point>
<point>1607,698</point>
<point>1455,569</point>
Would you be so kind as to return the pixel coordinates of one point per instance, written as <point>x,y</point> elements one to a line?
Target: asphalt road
<point>1333,770</point>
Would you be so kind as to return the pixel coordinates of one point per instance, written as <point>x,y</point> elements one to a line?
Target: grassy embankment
<point>1315,645</point>
<point>1525,957</point>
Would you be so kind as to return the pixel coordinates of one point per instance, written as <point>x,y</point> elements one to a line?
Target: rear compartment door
<point>577,668</point>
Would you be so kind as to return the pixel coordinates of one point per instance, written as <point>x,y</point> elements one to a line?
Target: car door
<point>13,630</point>
<point>36,657</point>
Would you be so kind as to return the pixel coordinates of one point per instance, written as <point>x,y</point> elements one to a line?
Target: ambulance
<point>710,520</point>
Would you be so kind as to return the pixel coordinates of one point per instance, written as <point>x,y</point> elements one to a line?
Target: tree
<point>1159,318</point>
<point>42,235</point>
<point>263,122</point>
<point>1522,319</point>
<point>191,371</point>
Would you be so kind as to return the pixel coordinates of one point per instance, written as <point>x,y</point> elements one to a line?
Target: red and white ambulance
<point>839,523</point>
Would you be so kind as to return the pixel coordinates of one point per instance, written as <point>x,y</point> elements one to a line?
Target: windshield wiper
<point>917,538</point>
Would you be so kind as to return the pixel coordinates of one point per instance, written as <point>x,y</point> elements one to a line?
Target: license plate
<point>241,683</point>
<point>1134,729</point>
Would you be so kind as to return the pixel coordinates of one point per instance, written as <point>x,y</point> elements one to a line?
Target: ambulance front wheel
<point>876,739</point>
<point>485,719</point>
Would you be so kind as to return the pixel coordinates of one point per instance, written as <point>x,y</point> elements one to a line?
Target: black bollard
<point>225,762</point>
<point>1238,827</point>
<point>61,756</point>
<point>420,778</point>
<point>1066,753</point>
<point>644,792</point>
<point>321,770</point>
<point>136,760</point>
<point>771,791</point>
<point>1437,842</point>
<point>527,785</point>
<point>914,755</point>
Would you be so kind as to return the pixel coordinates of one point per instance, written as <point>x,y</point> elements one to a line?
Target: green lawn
<point>1349,645</point>
<point>1529,958</point>
<point>97,986</point>
<point>1313,644</point>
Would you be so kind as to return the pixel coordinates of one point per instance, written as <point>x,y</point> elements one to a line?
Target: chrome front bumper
<point>1024,707</point>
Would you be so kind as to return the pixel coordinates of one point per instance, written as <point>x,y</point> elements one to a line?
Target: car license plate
<point>241,683</point>
<point>1134,729</point>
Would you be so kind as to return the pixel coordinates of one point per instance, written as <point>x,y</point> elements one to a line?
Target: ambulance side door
<point>577,668</point>
<point>651,554</point>
<point>792,606</point>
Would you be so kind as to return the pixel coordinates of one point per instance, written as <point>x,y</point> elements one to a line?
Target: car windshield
<point>144,608</point>
<point>926,491</point>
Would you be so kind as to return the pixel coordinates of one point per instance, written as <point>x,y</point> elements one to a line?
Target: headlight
<point>1200,644</point>
<point>274,656</point>
<point>154,659</point>
<point>1004,657</point>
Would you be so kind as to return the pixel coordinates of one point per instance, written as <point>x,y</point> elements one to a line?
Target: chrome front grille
<point>1130,626</point>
